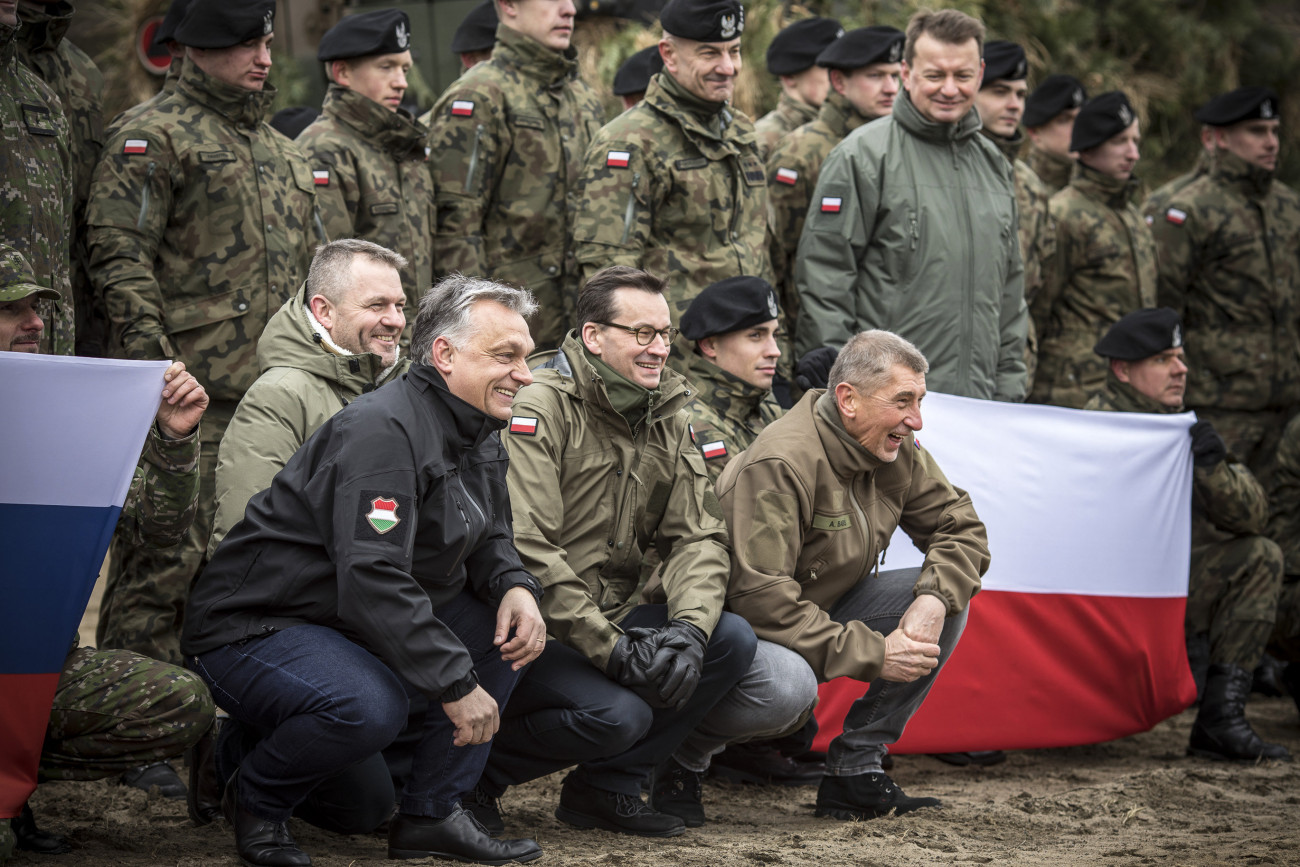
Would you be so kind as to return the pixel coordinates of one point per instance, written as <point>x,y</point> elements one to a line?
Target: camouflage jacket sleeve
<point>618,195</point>
<point>339,197</point>
<point>788,194</point>
<point>1284,497</point>
<point>164,494</point>
<point>1231,498</point>
<point>1176,248</point>
<point>468,141</point>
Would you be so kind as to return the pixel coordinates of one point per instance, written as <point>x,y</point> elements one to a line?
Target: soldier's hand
<point>905,659</point>
<point>1207,446</point>
<point>518,613</point>
<point>474,716</point>
<point>183,402</point>
<point>681,657</point>
<point>814,368</point>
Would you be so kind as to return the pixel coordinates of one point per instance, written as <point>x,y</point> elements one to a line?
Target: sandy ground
<point>1136,801</point>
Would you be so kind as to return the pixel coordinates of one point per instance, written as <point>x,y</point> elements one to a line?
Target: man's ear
<point>590,335</point>
<point>708,347</point>
<point>1120,369</point>
<point>846,399</point>
<point>442,355</point>
<point>323,310</point>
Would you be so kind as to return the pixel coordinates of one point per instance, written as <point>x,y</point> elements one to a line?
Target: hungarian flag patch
<point>322,178</point>
<point>715,449</point>
<point>831,204</point>
<point>462,108</point>
<point>1176,216</point>
<point>786,176</point>
<point>135,146</point>
<point>617,159</point>
<point>383,515</point>
<point>520,424</point>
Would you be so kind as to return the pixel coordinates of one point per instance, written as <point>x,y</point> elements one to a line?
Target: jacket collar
<point>242,107</point>
<point>1126,398</point>
<point>395,131</point>
<point>471,425</point>
<point>553,68</point>
<point>911,119</point>
<point>1101,187</point>
<point>1008,145</point>
<point>43,26</point>
<point>709,125</point>
<point>1247,178</point>
<point>840,115</point>
<point>577,376</point>
<point>293,338</point>
<point>846,455</point>
<point>1051,169</point>
<point>799,113</point>
<point>8,45</point>
<point>730,396</point>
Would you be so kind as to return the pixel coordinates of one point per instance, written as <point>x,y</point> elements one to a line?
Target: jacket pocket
<point>207,311</point>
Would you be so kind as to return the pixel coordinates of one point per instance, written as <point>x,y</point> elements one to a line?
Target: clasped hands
<point>663,665</point>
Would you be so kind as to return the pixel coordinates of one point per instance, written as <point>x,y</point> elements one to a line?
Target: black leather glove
<point>1208,449</point>
<point>682,656</point>
<point>635,663</point>
<point>813,369</point>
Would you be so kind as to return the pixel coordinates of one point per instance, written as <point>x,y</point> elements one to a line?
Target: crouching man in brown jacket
<point>811,506</point>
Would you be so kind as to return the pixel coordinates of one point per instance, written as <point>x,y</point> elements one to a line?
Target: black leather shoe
<point>29,838</point>
<point>1221,731</point>
<point>677,792</point>
<point>865,796</point>
<point>486,809</point>
<point>584,806</point>
<point>458,837</point>
<point>981,758</point>
<point>260,842</point>
<point>158,774</point>
<point>761,764</point>
<point>203,797</point>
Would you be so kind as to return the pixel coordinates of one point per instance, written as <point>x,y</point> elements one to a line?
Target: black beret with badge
<point>1100,119</point>
<point>1244,103</point>
<point>1142,334</point>
<point>478,32</point>
<point>634,75</point>
<point>211,24</point>
<point>1056,94</point>
<point>1004,61</point>
<point>863,47</point>
<point>796,47</point>
<point>384,31</point>
<point>729,305</point>
<point>704,20</point>
<point>166,31</point>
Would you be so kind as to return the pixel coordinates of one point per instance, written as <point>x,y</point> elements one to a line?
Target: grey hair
<point>867,361</point>
<point>330,274</point>
<point>445,310</point>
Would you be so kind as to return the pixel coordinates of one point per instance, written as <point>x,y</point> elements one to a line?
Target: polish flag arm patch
<point>787,176</point>
<point>462,108</point>
<point>520,424</point>
<point>135,146</point>
<point>1176,216</point>
<point>617,159</point>
<point>321,177</point>
<point>715,449</point>
<point>831,204</point>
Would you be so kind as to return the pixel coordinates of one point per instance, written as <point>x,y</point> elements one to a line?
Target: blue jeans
<point>321,705</point>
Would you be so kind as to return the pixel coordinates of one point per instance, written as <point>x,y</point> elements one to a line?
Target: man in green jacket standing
<point>912,226</point>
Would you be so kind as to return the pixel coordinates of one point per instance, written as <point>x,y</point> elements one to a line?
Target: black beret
<point>1244,103</point>
<point>863,47</point>
<point>166,31</point>
<point>1101,118</point>
<point>293,120</point>
<point>384,31</point>
<point>729,305</point>
<point>1056,94</point>
<point>478,32</point>
<point>1142,334</point>
<point>634,75</point>
<point>704,20</point>
<point>212,24</point>
<point>796,47</point>
<point>1004,61</point>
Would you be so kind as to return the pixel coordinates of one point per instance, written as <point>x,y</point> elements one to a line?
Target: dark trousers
<point>566,712</point>
<point>320,708</point>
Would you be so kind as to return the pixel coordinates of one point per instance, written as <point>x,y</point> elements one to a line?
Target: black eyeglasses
<point>645,333</point>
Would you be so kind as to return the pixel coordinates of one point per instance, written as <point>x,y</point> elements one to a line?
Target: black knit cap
<point>796,47</point>
<point>384,31</point>
<point>729,305</point>
<point>634,75</point>
<point>1244,103</point>
<point>166,31</point>
<point>1101,118</point>
<point>1056,94</point>
<point>863,47</point>
<point>704,20</point>
<point>1142,334</point>
<point>291,121</point>
<point>213,24</point>
<point>478,32</point>
<point>1004,61</point>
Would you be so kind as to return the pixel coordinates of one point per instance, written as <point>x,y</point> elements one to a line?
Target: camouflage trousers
<point>1251,436</point>
<point>1233,596</point>
<point>144,599</point>
<point>1285,643</point>
<point>115,710</point>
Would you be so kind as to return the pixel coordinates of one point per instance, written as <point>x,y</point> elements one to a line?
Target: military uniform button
<point>552,270</point>
<point>241,306</point>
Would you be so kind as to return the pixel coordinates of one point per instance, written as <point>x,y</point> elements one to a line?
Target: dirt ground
<point>1135,801</point>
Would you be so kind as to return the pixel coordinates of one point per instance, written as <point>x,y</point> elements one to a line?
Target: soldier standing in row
<point>370,148</point>
<point>792,58</point>
<point>507,144</point>
<point>1228,265</point>
<point>164,37</point>
<point>1159,200</point>
<point>202,222</point>
<point>476,36</point>
<point>1106,257</point>
<point>633,77</point>
<point>1049,120</point>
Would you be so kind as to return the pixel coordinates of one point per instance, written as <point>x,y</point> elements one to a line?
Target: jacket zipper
<point>630,213</point>
<point>144,197</point>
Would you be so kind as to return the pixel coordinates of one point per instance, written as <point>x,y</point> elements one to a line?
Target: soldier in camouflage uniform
<point>674,185</point>
<point>1158,201</point>
<point>370,148</point>
<point>1236,572</point>
<point>202,223</point>
<point>36,184</point>
<point>164,37</point>
<point>1228,264</point>
<point>1105,255</point>
<point>863,65</point>
<point>72,75</point>
<point>1284,528</point>
<point>507,143</point>
<point>792,58</point>
<point>1049,120</point>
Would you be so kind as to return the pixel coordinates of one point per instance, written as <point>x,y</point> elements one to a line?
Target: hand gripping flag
<point>70,438</point>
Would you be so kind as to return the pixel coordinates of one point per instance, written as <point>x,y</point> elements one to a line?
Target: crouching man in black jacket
<point>379,565</point>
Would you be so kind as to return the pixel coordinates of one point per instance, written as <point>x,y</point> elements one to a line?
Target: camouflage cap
<point>704,20</point>
<point>634,75</point>
<point>478,32</point>
<point>223,24</point>
<point>384,31</point>
<point>17,280</point>
<point>1100,119</point>
<point>1244,103</point>
<point>796,47</point>
<point>729,305</point>
<point>1056,94</point>
<point>863,47</point>
<point>167,29</point>
<point>1142,334</point>
<point>1004,61</point>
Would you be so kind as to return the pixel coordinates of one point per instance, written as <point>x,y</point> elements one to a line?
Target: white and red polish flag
<point>1077,634</point>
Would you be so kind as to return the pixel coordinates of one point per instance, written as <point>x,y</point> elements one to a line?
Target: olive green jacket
<point>811,513</point>
<point>591,495</point>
